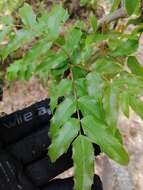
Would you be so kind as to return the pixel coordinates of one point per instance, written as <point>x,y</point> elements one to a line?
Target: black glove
<point>24,164</point>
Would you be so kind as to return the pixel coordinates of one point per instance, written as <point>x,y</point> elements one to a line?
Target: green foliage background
<point>94,67</point>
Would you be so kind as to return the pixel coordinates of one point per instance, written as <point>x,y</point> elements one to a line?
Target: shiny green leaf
<point>62,114</point>
<point>124,103</point>
<point>83,157</point>
<point>80,86</point>
<point>4,33</point>
<point>106,66</point>
<point>137,105</point>
<point>62,141</point>
<point>56,18</point>
<point>131,6</point>
<point>110,103</point>
<point>79,73</point>
<point>72,40</point>
<point>95,85</point>
<point>125,48</point>
<point>64,87</point>
<point>93,22</point>
<point>89,106</point>
<point>22,37</point>
<point>7,20</point>
<point>115,5</point>
<point>107,141</point>
<point>52,62</point>
<point>135,66</point>
<point>27,15</point>
<point>12,70</point>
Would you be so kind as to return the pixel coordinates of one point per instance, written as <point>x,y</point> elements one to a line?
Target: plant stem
<point>71,65</point>
<point>120,13</point>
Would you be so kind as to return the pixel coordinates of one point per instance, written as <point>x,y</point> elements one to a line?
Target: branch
<point>120,13</point>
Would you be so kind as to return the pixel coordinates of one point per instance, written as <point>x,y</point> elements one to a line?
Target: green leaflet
<point>137,105</point>
<point>136,21</point>
<point>80,86</point>
<point>79,73</point>
<point>53,102</point>
<point>124,103</point>
<point>131,6</point>
<point>125,48</point>
<point>22,37</point>
<point>12,70</point>
<point>115,5</point>
<point>95,85</point>
<point>9,6</point>
<point>62,114</point>
<point>107,141</point>
<point>56,18</point>
<point>132,83</point>
<point>134,66</point>
<point>118,135</point>
<point>62,141</point>
<point>83,157</point>
<point>37,53</point>
<point>64,87</point>
<point>93,22</point>
<point>27,15</point>
<point>106,66</point>
<point>26,70</point>
<point>72,40</point>
<point>7,20</point>
<point>3,33</point>
<point>81,57</point>
<point>83,2</point>
<point>98,37</point>
<point>89,106</point>
<point>38,50</point>
<point>90,3</point>
<point>110,104</point>
<point>52,61</point>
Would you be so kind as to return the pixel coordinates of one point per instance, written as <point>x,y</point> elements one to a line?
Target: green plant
<point>8,6</point>
<point>91,3</point>
<point>96,70</point>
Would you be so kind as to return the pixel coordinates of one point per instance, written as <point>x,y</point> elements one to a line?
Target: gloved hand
<point>24,164</point>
